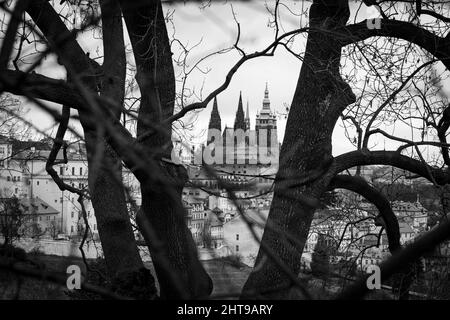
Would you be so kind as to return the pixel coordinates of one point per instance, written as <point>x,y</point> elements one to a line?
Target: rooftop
<point>40,207</point>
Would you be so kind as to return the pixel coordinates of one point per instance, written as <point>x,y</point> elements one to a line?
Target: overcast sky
<point>215,28</point>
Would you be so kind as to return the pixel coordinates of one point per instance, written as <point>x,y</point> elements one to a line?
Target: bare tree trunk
<point>161,206</point>
<point>320,97</point>
<point>108,199</point>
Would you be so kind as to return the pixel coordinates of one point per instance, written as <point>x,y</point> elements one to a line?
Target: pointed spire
<point>215,109</point>
<point>247,118</point>
<point>239,121</point>
<point>214,121</point>
<point>266,101</point>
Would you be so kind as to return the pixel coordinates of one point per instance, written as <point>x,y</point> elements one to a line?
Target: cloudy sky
<point>213,28</point>
<point>216,28</point>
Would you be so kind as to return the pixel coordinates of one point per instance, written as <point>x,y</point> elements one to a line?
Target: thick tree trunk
<point>116,235</point>
<point>108,199</point>
<point>123,261</point>
<point>320,97</point>
<point>161,202</point>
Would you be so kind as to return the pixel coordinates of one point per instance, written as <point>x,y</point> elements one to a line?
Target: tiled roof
<point>192,199</point>
<point>259,217</point>
<point>405,228</point>
<point>217,211</point>
<point>213,219</point>
<point>40,150</point>
<point>40,207</point>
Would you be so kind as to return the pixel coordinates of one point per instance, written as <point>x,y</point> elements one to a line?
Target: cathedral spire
<point>239,121</point>
<point>247,118</point>
<point>214,121</point>
<point>266,101</point>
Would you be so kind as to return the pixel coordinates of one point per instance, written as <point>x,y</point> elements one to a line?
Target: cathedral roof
<point>239,121</point>
<point>215,121</point>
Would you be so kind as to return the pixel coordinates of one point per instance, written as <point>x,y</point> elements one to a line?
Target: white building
<point>23,174</point>
<point>238,237</point>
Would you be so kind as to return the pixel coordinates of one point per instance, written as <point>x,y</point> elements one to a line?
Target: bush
<point>13,252</point>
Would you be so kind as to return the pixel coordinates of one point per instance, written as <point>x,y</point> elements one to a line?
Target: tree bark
<point>320,97</point>
<point>116,235</point>
<point>161,206</point>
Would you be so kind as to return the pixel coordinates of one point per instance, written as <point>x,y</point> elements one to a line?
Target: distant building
<point>239,239</point>
<point>241,156</point>
<point>407,234</point>
<point>23,175</point>
<point>247,164</point>
<point>37,218</point>
<point>412,213</point>
<point>42,215</point>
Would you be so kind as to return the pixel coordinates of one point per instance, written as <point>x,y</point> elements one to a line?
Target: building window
<point>37,182</point>
<point>16,190</point>
<point>18,178</point>
<point>61,171</point>
<point>237,248</point>
<point>8,178</point>
<point>72,214</point>
<point>237,236</point>
<point>73,171</point>
<point>81,171</point>
<point>71,228</point>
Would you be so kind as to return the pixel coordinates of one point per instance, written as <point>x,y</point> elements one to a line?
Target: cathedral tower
<point>239,121</point>
<point>247,118</point>
<point>214,122</point>
<point>266,129</point>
